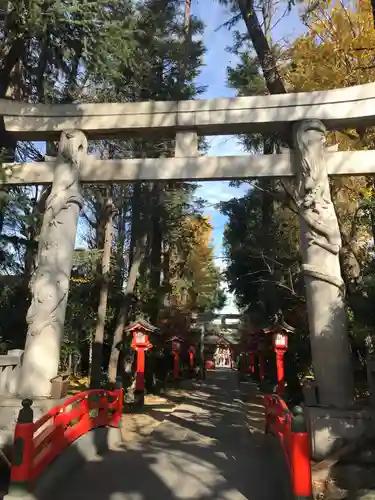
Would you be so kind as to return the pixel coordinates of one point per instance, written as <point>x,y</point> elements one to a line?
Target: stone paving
<point>212,447</point>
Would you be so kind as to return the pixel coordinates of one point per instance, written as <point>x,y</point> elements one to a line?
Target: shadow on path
<point>211,448</point>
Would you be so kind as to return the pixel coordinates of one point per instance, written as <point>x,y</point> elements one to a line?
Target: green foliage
<point>99,51</point>
<point>262,276</point>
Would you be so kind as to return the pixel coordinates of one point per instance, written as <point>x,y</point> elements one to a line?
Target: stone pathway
<point>210,448</point>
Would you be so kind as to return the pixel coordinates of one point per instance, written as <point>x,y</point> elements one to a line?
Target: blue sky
<point>214,76</point>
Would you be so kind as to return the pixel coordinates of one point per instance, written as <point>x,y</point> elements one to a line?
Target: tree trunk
<point>266,185</point>
<point>156,254</point>
<point>274,82</point>
<point>121,234</point>
<point>7,65</point>
<point>97,346</point>
<point>137,251</point>
<point>124,310</point>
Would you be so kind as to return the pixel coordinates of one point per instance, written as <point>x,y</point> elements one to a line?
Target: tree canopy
<point>160,243</point>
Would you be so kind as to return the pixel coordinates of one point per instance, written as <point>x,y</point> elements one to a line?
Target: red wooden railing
<point>279,422</point>
<point>37,444</point>
<point>290,429</point>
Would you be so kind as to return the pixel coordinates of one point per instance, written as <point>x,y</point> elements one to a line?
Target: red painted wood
<point>280,371</point>
<point>301,465</point>
<point>140,375</point>
<point>296,445</point>
<point>48,437</point>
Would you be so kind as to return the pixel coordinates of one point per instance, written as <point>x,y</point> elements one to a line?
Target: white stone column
<point>50,282</point>
<point>320,246</point>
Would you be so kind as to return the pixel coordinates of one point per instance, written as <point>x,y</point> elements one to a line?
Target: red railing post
<point>176,364</point>
<point>23,451</point>
<point>300,457</point>
<point>60,438</point>
<point>140,375</point>
<point>116,418</point>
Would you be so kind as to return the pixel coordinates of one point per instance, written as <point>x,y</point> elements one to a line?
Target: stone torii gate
<point>304,116</point>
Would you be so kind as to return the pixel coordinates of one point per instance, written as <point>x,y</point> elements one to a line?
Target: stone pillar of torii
<point>304,117</point>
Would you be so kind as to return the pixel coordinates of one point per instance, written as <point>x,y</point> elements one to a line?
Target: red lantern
<point>140,330</point>
<point>176,345</point>
<point>139,338</point>
<point>280,340</point>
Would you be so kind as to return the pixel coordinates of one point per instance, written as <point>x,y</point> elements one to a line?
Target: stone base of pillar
<point>331,428</point>
<point>9,409</point>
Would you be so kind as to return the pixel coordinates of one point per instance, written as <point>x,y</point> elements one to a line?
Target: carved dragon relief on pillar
<point>50,281</point>
<point>313,197</point>
<point>320,246</point>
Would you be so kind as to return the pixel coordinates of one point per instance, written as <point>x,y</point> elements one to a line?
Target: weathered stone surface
<point>330,428</point>
<point>9,370</point>
<point>9,409</point>
<point>341,107</point>
<point>50,282</point>
<point>320,245</point>
<point>189,168</point>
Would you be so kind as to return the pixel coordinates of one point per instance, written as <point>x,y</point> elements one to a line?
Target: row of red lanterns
<point>141,343</point>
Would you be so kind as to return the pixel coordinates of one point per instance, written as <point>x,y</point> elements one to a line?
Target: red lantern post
<point>176,348</point>
<point>140,344</point>
<point>176,358</point>
<point>191,358</point>
<point>251,361</point>
<point>280,343</point>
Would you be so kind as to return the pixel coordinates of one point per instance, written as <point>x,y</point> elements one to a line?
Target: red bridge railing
<point>290,429</point>
<point>37,444</point>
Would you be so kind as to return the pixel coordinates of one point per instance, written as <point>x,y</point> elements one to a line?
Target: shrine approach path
<point>212,447</point>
